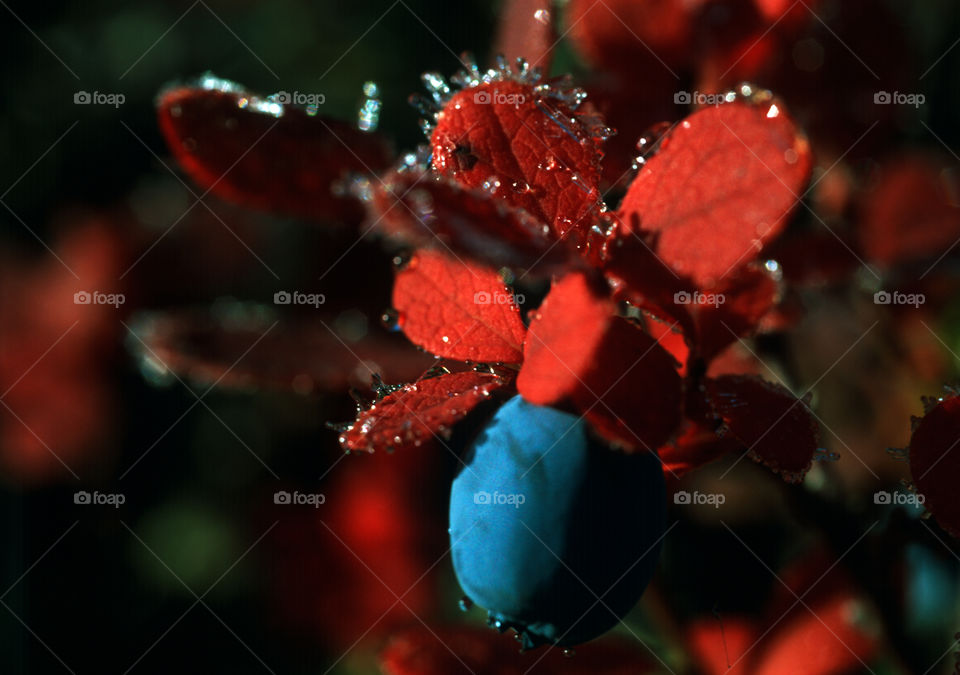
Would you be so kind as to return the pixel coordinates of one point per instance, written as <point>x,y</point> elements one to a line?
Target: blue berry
<point>544,520</point>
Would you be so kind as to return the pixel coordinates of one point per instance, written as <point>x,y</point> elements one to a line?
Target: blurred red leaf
<point>723,184</point>
<point>616,34</point>
<point>910,211</point>
<point>463,649</point>
<point>412,414</point>
<point>529,149</point>
<point>581,355</point>
<point>775,427</point>
<point>721,645</point>
<point>458,310</point>
<point>426,209</point>
<point>935,462</point>
<point>56,355</point>
<point>526,31</point>
<point>264,154</point>
<point>236,347</point>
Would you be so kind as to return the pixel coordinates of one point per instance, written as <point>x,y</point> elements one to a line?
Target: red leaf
<point>696,446</point>
<point>239,349</point>
<point>911,211</point>
<point>427,209</point>
<point>723,184</point>
<point>458,310</point>
<point>935,462</point>
<point>621,34</point>
<point>415,412</point>
<point>723,647</point>
<point>528,147</point>
<point>462,649</point>
<point>777,428</point>
<point>266,155</point>
<point>844,643</point>
<point>747,298</point>
<point>526,31</point>
<point>580,354</point>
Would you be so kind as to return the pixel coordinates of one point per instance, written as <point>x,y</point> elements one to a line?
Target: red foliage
<point>935,462</point>
<point>580,354</point>
<point>776,428</point>
<point>426,209</point>
<point>526,31</point>
<point>722,185</point>
<point>530,150</point>
<point>57,403</point>
<point>416,412</point>
<point>266,155</point>
<point>910,211</point>
<point>458,310</point>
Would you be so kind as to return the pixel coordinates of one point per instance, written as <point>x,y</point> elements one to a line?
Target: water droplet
<point>465,604</point>
<point>569,653</point>
<point>542,16</point>
<point>392,320</point>
<point>773,111</point>
<point>368,117</point>
<point>491,185</point>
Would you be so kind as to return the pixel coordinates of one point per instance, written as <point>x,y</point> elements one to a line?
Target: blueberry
<point>544,520</point>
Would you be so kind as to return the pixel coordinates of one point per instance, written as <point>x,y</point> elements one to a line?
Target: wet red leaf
<point>776,428</point>
<point>462,649</point>
<point>935,462</point>
<point>579,354</point>
<point>910,211</point>
<point>237,348</point>
<point>526,31</point>
<point>266,155</point>
<point>529,149</point>
<point>414,413</point>
<point>723,184</point>
<point>458,310</point>
<point>426,209</point>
